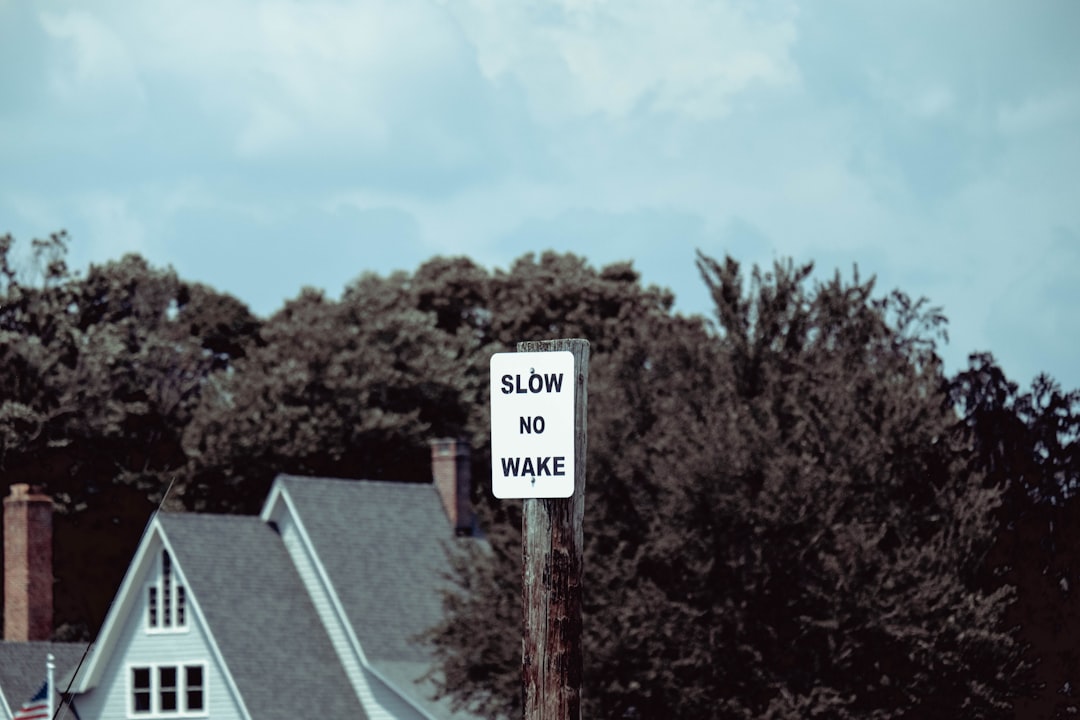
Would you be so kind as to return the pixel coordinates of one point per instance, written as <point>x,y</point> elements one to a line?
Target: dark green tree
<point>100,375</point>
<point>1028,443</point>
<point>779,524</point>
<point>549,296</point>
<point>350,388</point>
<point>785,516</point>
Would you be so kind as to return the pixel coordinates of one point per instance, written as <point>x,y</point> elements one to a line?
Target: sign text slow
<point>532,424</point>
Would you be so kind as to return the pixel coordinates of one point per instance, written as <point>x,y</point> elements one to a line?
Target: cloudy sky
<point>264,146</point>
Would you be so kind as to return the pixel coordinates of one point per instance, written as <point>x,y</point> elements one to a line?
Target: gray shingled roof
<point>22,667</point>
<point>383,546</point>
<point>264,623</point>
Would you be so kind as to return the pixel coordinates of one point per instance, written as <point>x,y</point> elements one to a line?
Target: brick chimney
<point>28,570</point>
<point>451,471</point>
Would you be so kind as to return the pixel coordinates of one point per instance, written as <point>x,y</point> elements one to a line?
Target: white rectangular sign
<point>532,424</point>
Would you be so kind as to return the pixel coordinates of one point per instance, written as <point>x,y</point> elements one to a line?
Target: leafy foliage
<point>790,510</point>
<point>1029,444</point>
<point>100,376</point>
<point>346,388</point>
<point>780,523</point>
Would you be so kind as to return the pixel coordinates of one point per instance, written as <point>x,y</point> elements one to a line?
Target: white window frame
<point>202,688</point>
<point>181,689</point>
<point>132,711</point>
<point>171,604</point>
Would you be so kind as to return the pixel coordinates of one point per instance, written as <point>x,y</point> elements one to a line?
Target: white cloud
<point>687,58</point>
<point>1057,109</point>
<point>30,211</point>
<point>97,67</point>
<point>834,132</point>
<point>932,102</point>
<point>267,127</point>
<point>1032,316</point>
<point>291,78</point>
<point>115,228</point>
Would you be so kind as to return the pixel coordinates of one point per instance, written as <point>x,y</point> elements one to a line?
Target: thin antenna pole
<point>65,699</point>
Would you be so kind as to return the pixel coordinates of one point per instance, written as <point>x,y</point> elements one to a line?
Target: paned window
<point>193,682</point>
<point>166,599</point>
<point>166,589</point>
<point>140,690</point>
<point>169,690</point>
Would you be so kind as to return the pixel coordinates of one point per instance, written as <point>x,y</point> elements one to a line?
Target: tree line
<point>791,510</point>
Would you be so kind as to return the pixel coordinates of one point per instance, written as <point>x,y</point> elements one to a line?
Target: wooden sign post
<point>552,539</point>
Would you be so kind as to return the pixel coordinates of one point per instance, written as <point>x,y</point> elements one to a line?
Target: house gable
<point>376,552</point>
<point>145,667</point>
<point>266,654</point>
<point>382,700</point>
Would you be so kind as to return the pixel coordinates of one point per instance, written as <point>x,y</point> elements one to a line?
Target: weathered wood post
<point>552,550</point>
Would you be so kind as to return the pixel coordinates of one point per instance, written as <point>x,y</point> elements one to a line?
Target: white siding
<point>138,647</point>
<point>379,701</point>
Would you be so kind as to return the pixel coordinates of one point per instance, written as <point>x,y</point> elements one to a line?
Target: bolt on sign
<point>532,425</point>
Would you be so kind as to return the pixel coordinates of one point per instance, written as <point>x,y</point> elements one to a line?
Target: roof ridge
<point>224,516</point>
<point>396,483</point>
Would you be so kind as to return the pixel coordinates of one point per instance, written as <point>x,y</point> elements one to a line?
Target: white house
<point>310,609</point>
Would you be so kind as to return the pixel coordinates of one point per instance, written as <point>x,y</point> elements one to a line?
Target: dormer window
<point>166,589</point>
<point>166,604</point>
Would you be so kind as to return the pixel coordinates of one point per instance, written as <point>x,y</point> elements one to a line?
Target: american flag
<point>37,707</point>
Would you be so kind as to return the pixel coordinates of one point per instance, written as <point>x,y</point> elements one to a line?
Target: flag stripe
<point>36,708</point>
<point>32,712</point>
